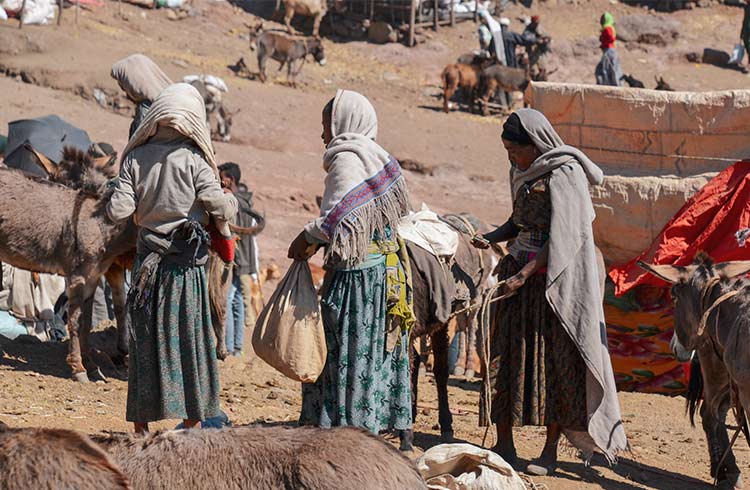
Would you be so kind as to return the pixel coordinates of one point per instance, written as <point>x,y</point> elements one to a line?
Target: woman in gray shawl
<point>142,81</point>
<point>549,363</point>
<point>169,184</point>
<point>365,381</point>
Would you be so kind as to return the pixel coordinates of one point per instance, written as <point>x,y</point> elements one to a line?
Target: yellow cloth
<point>399,289</point>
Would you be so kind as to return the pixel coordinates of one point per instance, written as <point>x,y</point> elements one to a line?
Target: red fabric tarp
<point>710,222</point>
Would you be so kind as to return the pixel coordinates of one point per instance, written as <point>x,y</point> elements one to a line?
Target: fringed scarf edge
<point>353,234</point>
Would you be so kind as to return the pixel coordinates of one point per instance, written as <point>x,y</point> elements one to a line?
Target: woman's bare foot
<point>547,462</point>
<point>140,427</point>
<point>507,452</point>
<point>505,447</point>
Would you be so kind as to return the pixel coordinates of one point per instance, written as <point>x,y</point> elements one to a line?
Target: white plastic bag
<point>466,467</point>
<point>38,12</point>
<point>738,53</point>
<point>289,332</point>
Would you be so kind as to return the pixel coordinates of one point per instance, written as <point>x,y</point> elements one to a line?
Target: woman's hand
<point>515,282</point>
<point>301,249</point>
<point>480,242</point>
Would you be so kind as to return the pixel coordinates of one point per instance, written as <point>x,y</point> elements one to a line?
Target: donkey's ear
<point>670,273</point>
<point>728,270</point>
<point>42,160</point>
<point>105,161</point>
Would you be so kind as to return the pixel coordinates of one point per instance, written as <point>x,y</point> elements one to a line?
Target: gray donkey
<point>75,238</point>
<point>48,227</point>
<point>470,271</point>
<point>712,317</point>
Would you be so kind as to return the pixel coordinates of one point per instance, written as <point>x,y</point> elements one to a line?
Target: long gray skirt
<point>173,369</point>
<point>608,71</point>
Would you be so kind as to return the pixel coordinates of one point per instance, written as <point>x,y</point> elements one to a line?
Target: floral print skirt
<point>173,372</point>
<point>362,384</point>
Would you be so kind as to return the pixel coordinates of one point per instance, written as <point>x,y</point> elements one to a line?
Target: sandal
<point>536,469</point>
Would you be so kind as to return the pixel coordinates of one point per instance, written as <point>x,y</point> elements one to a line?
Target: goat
<point>632,81</point>
<point>661,84</point>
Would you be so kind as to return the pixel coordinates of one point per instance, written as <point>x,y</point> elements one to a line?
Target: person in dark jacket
<point>511,40</point>
<point>240,312</point>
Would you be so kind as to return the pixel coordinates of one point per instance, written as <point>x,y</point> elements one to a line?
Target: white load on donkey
<point>211,89</point>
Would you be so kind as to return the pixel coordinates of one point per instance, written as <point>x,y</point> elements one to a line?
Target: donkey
<point>261,457</point>
<point>472,269</point>
<point>75,238</point>
<point>711,316</point>
<point>55,458</point>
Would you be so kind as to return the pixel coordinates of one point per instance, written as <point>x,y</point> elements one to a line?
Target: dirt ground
<point>277,144</point>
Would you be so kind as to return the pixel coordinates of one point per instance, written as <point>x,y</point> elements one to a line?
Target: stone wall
<point>656,149</point>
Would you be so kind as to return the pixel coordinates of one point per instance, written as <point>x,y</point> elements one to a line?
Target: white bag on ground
<point>289,332</point>
<point>467,467</point>
<point>738,53</point>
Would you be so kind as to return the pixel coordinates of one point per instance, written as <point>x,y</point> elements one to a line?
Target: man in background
<point>240,311</point>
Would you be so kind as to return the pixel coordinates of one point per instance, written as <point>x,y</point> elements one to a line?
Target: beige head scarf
<point>140,78</point>
<point>181,108</point>
<point>365,192</point>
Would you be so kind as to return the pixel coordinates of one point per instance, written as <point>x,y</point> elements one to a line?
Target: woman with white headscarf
<point>169,184</point>
<point>496,46</point>
<point>366,311</point>
<point>549,364</point>
<point>142,81</point>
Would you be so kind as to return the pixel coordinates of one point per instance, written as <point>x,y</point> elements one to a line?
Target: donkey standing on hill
<point>712,317</point>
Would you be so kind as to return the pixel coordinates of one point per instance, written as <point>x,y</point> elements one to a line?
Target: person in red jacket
<point>608,71</point>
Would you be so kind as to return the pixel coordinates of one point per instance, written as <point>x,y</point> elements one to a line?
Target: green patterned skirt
<point>537,374</point>
<point>362,384</point>
<point>173,369</point>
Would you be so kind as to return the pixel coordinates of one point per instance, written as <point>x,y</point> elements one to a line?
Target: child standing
<point>240,312</point>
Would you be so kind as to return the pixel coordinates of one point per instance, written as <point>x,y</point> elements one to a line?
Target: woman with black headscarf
<point>549,363</point>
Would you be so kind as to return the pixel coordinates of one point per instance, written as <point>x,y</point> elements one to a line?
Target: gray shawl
<point>140,78</point>
<point>365,192</point>
<point>573,289</point>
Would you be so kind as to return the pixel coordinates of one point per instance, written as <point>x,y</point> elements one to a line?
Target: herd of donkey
<point>74,238</point>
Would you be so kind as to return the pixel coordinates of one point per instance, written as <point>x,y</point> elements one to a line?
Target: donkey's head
<point>690,292</point>
<point>79,169</point>
<point>254,30</point>
<point>224,122</point>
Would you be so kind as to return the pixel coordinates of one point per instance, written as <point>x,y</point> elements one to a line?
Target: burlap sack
<point>289,332</point>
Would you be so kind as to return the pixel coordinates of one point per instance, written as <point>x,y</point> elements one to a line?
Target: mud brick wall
<point>656,149</point>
